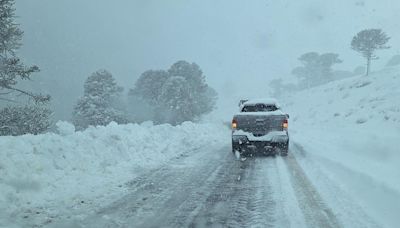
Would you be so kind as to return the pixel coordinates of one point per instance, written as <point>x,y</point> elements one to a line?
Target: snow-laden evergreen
<point>316,69</point>
<point>174,96</point>
<point>17,119</point>
<point>99,104</point>
<point>20,120</point>
<point>176,100</point>
<point>12,69</point>
<point>367,42</point>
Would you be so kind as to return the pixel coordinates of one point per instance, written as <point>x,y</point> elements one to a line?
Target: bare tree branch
<point>36,97</point>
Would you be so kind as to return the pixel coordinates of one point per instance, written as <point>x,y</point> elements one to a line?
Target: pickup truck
<point>260,127</point>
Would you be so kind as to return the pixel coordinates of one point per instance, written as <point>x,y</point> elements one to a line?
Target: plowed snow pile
<point>69,172</point>
<point>351,130</point>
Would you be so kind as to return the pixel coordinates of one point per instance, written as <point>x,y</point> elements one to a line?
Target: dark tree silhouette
<point>11,67</point>
<point>174,96</point>
<point>316,69</point>
<point>367,42</point>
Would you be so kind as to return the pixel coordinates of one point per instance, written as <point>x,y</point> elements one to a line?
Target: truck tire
<point>235,147</point>
<point>284,149</point>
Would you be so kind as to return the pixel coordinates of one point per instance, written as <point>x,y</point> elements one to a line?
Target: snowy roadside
<point>354,177</point>
<point>347,131</point>
<point>46,176</point>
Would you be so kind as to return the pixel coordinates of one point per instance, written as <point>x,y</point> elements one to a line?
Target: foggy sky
<point>240,45</point>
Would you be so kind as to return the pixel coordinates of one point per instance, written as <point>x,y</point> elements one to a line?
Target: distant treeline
<point>173,96</point>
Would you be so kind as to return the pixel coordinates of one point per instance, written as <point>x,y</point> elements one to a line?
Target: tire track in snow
<point>263,204</point>
<point>345,189</point>
<point>155,196</point>
<point>218,209</point>
<point>241,198</point>
<point>211,188</point>
<point>255,207</point>
<point>289,214</point>
<point>184,203</point>
<point>315,211</point>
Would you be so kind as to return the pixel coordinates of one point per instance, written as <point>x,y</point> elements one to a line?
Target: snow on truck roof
<point>267,101</point>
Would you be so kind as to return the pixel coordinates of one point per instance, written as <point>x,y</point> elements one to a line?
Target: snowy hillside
<point>349,131</point>
<point>46,176</point>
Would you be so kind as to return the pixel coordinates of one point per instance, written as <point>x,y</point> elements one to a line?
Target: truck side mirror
<point>287,116</point>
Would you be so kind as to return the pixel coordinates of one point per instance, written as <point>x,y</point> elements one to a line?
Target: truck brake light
<point>285,124</point>
<point>234,124</point>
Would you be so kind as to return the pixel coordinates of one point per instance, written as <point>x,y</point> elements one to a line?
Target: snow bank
<point>351,128</point>
<point>55,173</point>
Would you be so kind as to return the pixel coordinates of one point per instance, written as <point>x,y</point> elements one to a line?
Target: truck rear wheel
<point>235,147</point>
<point>284,149</point>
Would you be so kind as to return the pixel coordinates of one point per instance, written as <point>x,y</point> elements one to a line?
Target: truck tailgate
<point>260,125</point>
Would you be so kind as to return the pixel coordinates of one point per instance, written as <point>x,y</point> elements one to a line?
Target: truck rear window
<point>259,108</point>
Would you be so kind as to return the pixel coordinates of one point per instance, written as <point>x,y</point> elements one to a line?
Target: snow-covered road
<point>111,177</point>
<point>209,187</point>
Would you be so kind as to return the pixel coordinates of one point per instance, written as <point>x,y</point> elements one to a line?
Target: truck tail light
<point>234,124</point>
<point>285,124</point>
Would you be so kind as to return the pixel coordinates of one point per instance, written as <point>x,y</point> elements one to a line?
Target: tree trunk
<point>368,65</point>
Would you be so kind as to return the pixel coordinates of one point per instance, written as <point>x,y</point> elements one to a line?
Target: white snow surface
<point>73,171</point>
<point>267,101</point>
<point>349,131</point>
<point>344,135</point>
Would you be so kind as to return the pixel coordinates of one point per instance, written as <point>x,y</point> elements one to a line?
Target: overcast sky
<point>240,45</point>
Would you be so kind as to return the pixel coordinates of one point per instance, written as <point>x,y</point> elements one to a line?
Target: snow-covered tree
<point>192,73</point>
<point>316,69</point>
<point>30,119</point>
<point>98,106</point>
<point>11,67</point>
<point>149,85</point>
<point>202,98</point>
<point>191,98</point>
<point>18,120</point>
<point>367,42</point>
<point>209,100</point>
<point>176,101</point>
<point>143,99</point>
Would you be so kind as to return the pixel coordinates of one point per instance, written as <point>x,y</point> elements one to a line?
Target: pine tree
<point>149,85</point>
<point>316,69</point>
<point>17,120</point>
<point>367,42</point>
<point>192,73</point>
<point>29,119</point>
<point>176,100</point>
<point>174,96</point>
<point>98,104</point>
<point>11,67</point>
<point>202,98</point>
